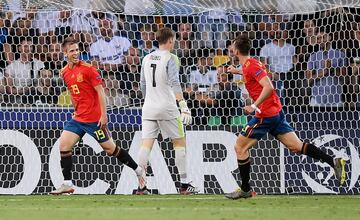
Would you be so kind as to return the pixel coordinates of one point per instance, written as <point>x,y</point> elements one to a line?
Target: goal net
<point>310,47</point>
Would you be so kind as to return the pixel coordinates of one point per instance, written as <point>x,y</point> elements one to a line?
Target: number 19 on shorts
<point>99,134</point>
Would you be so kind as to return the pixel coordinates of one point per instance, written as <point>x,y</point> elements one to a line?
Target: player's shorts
<point>91,128</point>
<point>258,127</point>
<point>173,128</point>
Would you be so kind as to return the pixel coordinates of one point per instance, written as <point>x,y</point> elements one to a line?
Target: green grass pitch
<point>173,207</point>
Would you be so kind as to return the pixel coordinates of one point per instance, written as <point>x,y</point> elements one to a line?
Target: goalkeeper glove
<point>185,113</point>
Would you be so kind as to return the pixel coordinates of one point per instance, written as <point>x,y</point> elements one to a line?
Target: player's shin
<point>314,152</point>
<point>125,158</point>
<point>144,154</point>
<point>66,166</point>
<point>180,162</point>
<point>244,167</point>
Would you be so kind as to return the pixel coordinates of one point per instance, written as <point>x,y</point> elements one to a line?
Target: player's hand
<point>185,113</point>
<point>103,122</point>
<point>232,69</point>
<point>251,108</point>
<point>248,110</point>
<point>186,117</point>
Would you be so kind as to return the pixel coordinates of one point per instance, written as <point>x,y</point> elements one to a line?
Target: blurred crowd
<point>313,59</point>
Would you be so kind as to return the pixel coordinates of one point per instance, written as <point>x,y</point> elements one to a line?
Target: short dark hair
<point>68,41</point>
<point>164,34</point>
<point>243,44</point>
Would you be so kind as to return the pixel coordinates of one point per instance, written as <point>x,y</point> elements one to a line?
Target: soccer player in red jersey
<point>269,118</point>
<point>90,116</point>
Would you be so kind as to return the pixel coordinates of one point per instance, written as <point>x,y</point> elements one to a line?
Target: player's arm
<point>102,101</point>
<point>96,82</point>
<point>267,89</point>
<point>73,104</point>
<point>174,82</point>
<point>72,101</point>
<point>142,80</point>
<point>232,69</point>
<point>173,79</point>
<point>71,97</point>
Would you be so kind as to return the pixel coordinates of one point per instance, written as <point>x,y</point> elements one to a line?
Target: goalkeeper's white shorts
<point>168,128</point>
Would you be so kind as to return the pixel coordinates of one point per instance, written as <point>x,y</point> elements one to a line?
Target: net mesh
<point>181,7</point>
<point>311,47</point>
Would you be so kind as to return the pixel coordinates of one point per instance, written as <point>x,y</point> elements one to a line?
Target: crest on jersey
<point>80,77</point>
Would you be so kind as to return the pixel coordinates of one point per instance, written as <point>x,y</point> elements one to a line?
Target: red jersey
<point>81,80</point>
<point>253,72</point>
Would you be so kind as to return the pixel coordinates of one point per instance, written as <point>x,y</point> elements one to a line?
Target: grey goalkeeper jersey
<point>159,83</point>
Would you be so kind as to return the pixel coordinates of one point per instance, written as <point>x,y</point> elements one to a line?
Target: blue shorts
<point>81,128</point>
<point>258,127</point>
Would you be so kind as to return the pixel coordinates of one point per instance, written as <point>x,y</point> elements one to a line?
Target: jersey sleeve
<point>173,74</point>
<point>142,79</point>
<point>94,77</point>
<point>257,71</point>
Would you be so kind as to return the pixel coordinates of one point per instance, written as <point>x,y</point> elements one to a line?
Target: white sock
<point>180,162</point>
<point>138,170</point>
<point>144,155</point>
<point>68,183</point>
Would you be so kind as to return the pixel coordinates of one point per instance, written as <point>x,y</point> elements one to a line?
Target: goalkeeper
<point>161,88</point>
<point>269,118</point>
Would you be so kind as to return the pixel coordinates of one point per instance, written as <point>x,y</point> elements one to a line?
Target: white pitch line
<point>112,198</point>
<point>160,198</point>
<point>159,208</point>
